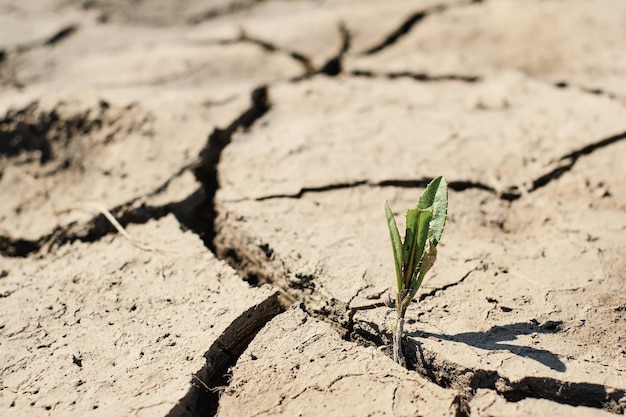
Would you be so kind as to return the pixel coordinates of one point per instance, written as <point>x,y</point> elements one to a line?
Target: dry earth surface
<point>191,207</point>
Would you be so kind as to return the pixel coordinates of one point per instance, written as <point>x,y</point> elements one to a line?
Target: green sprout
<point>417,254</point>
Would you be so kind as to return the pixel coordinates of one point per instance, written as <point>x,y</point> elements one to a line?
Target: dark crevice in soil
<point>132,212</point>
<point>423,182</point>
<point>511,193</point>
<point>91,231</point>
<point>589,90</point>
<point>17,247</point>
<point>256,264</point>
<point>31,130</point>
<point>434,291</point>
<point>334,65</point>
<point>404,28</point>
<point>224,10</point>
<point>567,162</point>
<point>100,226</point>
<point>409,23</point>
<point>202,399</point>
<point>468,380</point>
<point>418,76</point>
<point>300,58</point>
<point>508,195</point>
<point>320,189</point>
<point>206,169</point>
<point>61,35</point>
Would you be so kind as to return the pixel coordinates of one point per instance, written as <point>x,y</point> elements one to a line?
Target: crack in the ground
<point>206,170</point>
<point>223,10</point>
<point>134,211</point>
<point>418,76</point>
<point>404,28</point>
<point>57,37</point>
<point>299,57</point>
<point>61,35</point>
<point>202,399</point>
<point>458,185</point>
<point>567,162</point>
<point>434,291</point>
<point>244,37</point>
<point>53,136</point>
<point>334,66</point>
<point>320,189</point>
<point>409,23</point>
<point>12,247</point>
<point>564,164</point>
<point>589,90</point>
<point>467,380</point>
<point>195,212</point>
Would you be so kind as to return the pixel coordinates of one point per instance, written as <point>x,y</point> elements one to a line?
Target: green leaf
<point>416,233</point>
<point>435,196</point>
<point>396,245</point>
<point>422,234</point>
<point>430,256</point>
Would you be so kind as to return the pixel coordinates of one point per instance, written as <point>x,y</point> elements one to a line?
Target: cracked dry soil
<point>246,148</point>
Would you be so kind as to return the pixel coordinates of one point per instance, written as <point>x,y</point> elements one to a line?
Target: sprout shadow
<point>492,340</point>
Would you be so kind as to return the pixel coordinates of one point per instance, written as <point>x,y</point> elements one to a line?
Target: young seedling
<point>417,254</point>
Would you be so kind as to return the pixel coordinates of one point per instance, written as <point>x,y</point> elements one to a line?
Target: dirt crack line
<point>510,193</point>
<point>409,23</point>
<point>206,169</point>
<point>245,37</point>
<point>202,399</point>
<point>467,380</point>
<point>320,189</point>
<point>404,28</point>
<point>61,35</point>
<point>589,90</point>
<point>53,39</point>
<point>220,11</point>
<point>134,211</point>
<point>434,291</point>
<point>334,66</point>
<point>459,185</point>
<point>567,162</point>
<point>418,76</point>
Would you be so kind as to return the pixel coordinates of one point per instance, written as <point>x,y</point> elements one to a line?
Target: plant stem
<point>398,356</point>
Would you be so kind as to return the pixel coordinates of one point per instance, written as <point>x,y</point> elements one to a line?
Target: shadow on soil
<point>450,375</point>
<point>493,338</point>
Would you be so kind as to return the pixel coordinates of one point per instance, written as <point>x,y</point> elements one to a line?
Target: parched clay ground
<point>191,207</point>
